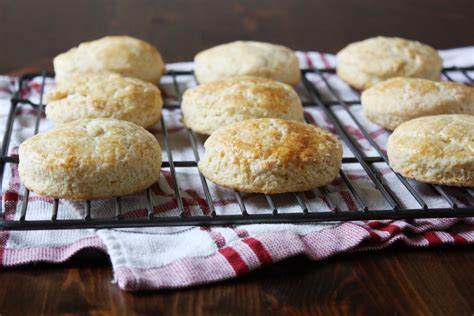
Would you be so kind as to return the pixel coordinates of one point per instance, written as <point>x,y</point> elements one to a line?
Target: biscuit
<point>363,64</point>
<point>125,55</point>
<point>222,102</point>
<point>398,100</point>
<point>90,159</point>
<point>435,149</point>
<point>271,156</point>
<point>247,58</point>
<point>104,95</point>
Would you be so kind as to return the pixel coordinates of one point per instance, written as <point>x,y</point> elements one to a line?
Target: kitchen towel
<point>176,257</point>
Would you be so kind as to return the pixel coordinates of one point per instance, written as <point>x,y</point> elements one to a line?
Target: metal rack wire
<point>363,212</point>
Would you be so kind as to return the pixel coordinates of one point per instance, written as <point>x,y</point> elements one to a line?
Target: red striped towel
<point>154,258</point>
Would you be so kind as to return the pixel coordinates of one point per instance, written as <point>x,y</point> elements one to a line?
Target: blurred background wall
<point>32,32</point>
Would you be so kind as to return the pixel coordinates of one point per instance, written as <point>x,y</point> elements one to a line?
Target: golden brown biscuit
<point>90,159</point>
<point>363,64</point>
<point>271,156</point>
<point>247,58</point>
<point>435,149</point>
<point>125,55</point>
<point>398,100</point>
<point>104,95</point>
<point>210,106</point>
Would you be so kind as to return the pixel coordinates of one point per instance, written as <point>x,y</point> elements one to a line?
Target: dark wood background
<point>35,31</point>
<point>394,281</point>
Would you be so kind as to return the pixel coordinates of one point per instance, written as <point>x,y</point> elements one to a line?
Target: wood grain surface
<point>397,281</point>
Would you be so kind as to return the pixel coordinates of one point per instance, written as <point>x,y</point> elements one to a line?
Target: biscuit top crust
<point>414,96</point>
<point>106,91</point>
<point>248,58</point>
<point>117,48</point>
<point>420,87</point>
<point>245,92</point>
<point>125,55</point>
<point>278,142</point>
<point>104,95</point>
<point>87,146</point>
<point>389,56</point>
<point>448,136</point>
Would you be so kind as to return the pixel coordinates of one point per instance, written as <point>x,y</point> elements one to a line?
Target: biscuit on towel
<point>271,156</point>
<point>125,55</point>
<point>398,100</point>
<point>104,95</point>
<point>210,106</point>
<point>435,149</point>
<point>90,159</point>
<point>247,58</point>
<point>368,62</point>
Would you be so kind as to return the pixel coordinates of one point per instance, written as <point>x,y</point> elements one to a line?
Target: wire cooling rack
<point>396,209</point>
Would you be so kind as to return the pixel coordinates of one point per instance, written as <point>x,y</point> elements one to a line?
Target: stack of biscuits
<point>432,121</point>
<point>258,139</point>
<point>106,96</point>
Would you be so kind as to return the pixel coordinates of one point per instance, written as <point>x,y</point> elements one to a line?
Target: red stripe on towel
<point>257,247</point>
<point>235,260</point>
<point>458,239</point>
<point>432,238</point>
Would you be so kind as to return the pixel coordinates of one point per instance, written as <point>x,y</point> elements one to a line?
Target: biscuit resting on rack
<point>247,58</point>
<point>104,95</point>
<point>398,100</point>
<point>271,156</point>
<point>435,149</point>
<point>210,106</point>
<point>125,55</point>
<point>368,62</point>
<point>90,159</point>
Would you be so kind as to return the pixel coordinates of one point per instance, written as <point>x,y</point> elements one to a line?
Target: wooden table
<point>394,281</point>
